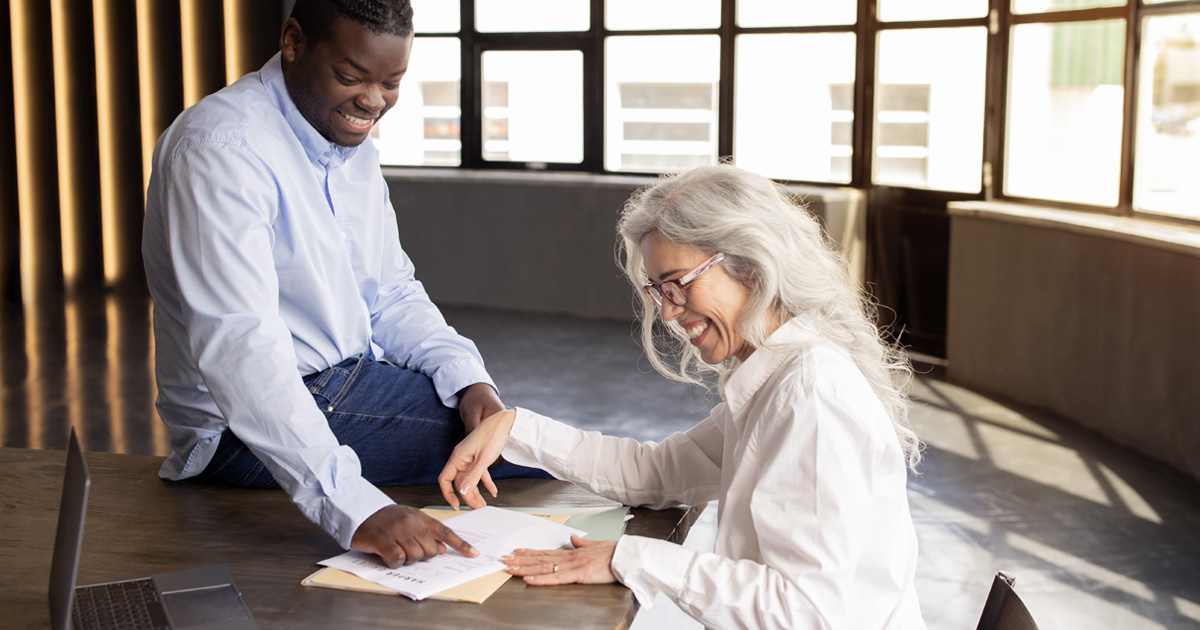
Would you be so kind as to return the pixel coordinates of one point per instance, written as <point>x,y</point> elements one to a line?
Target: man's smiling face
<point>344,84</point>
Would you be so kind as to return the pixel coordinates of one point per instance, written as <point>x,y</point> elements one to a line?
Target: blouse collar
<point>750,376</point>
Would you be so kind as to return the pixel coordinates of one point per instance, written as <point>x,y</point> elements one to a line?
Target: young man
<point>294,346</point>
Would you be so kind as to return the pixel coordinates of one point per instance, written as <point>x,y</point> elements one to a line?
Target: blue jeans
<point>390,416</point>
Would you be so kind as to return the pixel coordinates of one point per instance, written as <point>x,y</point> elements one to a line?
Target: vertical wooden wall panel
<point>76,132</point>
<point>37,181</point>
<point>251,35</point>
<point>86,88</point>
<point>120,141</point>
<point>203,48</point>
<point>10,226</point>
<point>159,72</point>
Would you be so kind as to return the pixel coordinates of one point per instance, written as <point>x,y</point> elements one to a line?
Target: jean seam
<point>251,474</point>
<point>345,390</point>
<point>321,380</point>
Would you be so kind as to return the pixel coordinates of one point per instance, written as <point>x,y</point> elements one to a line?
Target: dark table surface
<point>138,524</point>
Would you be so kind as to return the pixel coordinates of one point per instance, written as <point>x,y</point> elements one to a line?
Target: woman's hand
<point>590,562</point>
<point>469,462</point>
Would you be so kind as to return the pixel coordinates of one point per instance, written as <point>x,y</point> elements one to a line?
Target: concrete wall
<point>1094,318</point>
<point>544,242</point>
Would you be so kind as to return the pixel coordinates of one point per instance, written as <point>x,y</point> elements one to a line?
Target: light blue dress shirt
<point>272,253</point>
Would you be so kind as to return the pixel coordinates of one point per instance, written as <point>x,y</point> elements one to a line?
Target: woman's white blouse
<point>813,527</point>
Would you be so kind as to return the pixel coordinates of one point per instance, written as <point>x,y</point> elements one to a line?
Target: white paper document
<point>493,531</point>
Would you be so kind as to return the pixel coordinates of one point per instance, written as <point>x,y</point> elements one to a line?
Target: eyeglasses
<point>673,289</point>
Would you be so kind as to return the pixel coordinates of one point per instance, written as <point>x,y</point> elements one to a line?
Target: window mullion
<point>864,94</point>
<point>995,100</point>
<point>725,82</point>
<point>1133,30</point>
<point>470,90</point>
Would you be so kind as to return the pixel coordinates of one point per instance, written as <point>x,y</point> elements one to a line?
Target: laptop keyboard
<point>116,606</point>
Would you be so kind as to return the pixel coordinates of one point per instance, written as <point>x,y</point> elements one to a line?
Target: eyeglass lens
<point>672,291</point>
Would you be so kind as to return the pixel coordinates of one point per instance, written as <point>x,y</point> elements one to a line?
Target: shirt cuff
<point>521,439</point>
<point>342,513</point>
<point>451,378</point>
<point>648,566</point>
<point>537,442</point>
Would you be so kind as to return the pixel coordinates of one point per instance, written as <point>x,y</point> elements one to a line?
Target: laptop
<point>193,599</point>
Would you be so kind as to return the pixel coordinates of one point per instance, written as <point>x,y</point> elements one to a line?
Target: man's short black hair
<point>317,17</point>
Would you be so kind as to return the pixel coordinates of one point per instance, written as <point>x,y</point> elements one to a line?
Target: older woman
<point>808,452</point>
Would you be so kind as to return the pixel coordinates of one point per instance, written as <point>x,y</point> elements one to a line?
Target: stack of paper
<point>493,531</point>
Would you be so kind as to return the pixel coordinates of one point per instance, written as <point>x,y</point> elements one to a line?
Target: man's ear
<point>291,40</point>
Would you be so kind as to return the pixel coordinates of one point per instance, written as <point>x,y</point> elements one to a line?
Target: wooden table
<point>138,524</point>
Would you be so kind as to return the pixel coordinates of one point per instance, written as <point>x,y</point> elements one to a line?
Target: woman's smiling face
<point>715,300</point>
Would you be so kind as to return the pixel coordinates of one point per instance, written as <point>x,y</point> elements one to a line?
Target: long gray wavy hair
<point>777,249</point>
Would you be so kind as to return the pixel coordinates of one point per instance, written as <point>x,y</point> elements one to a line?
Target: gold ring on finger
<point>554,568</point>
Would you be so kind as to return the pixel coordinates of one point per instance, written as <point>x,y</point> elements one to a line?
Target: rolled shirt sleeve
<point>683,469</point>
<point>411,330</point>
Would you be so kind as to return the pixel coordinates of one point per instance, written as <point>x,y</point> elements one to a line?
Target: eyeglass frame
<point>654,290</point>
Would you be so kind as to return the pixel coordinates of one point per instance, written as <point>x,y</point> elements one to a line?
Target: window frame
<point>999,22</point>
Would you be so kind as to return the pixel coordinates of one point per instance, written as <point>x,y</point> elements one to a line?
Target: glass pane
<point>795,123</point>
<point>661,102</point>
<point>436,16</point>
<point>1065,111</point>
<point>1168,124</point>
<point>763,13</point>
<point>1039,6</point>
<point>528,16</point>
<point>929,105</point>
<point>533,106</point>
<point>633,15</point>
<point>904,10</point>
<point>423,128</point>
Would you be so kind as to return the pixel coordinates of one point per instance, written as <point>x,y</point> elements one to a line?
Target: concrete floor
<point>1098,536</point>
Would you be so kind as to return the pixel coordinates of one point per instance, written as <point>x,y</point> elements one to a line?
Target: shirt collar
<point>319,150</point>
<point>750,376</point>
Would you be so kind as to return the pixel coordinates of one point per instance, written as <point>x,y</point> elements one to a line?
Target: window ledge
<point>832,192</point>
<point>1181,239</point>
<point>516,177</point>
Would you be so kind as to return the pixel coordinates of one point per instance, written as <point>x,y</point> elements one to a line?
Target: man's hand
<point>477,402</point>
<point>402,535</point>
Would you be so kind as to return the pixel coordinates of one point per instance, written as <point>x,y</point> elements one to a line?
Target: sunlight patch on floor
<point>1041,461</point>
<point>1079,566</point>
<point>1132,499</point>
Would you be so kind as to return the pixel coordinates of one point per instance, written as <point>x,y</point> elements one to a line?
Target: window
<point>661,102</point>
<point>423,129</point>
<point>916,10</point>
<point>1168,121</point>
<point>641,15</point>
<point>929,108</point>
<point>752,13</point>
<point>1065,112</point>
<point>524,16</point>
<point>798,123</point>
<point>533,106</point>
<point>1027,100</point>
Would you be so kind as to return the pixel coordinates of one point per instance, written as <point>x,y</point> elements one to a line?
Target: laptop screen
<point>69,538</point>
